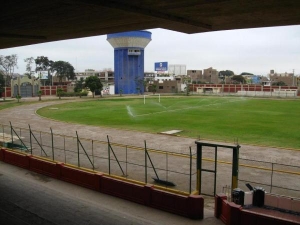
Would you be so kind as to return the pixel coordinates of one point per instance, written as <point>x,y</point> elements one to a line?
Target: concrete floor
<point>30,198</point>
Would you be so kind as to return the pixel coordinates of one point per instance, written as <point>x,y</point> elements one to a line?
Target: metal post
<point>12,135</point>
<point>65,149</point>
<point>167,166</point>
<point>93,154</point>
<point>191,161</point>
<point>3,143</point>
<point>199,167</point>
<point>272,178</point>
<point>126,160</point>
<point>108,148</point>
<point>30,140</point>
<point>78,150</point>
<point>41,141</point>
<point>52,144</point>
<point>145,162</point>
<point>215,182</point>
<point>235,167</point>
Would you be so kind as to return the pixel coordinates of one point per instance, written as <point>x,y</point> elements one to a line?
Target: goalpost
<point>152,95</point>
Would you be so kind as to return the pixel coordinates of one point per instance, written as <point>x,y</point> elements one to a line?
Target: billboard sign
<point>43,75</point>
<point>161,66</point>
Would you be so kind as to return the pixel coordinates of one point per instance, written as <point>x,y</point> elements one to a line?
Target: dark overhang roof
<point>31,21</point>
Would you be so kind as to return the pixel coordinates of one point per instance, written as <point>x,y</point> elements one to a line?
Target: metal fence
<point>164,168</point>
<point>275,178</point>
<point>258,94</point>
<point>148,165</point>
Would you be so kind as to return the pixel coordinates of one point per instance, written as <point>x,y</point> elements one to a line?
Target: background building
<point>287,79</point>
<point>195,75</point>
<point>211,76</point>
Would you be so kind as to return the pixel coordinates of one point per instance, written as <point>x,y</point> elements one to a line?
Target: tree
<point>225,73</point>
<point>93,83</point>
<point>279,83</point>
<point>63,69</point>
<point>18,97</point>
<point>59,92</point>
<point>79,85</point>
<point>246,73</point>
<point>153,88</point>
<point>2,84</point>
<point>40,94</point>
<point>29,62</point>
<point>8,64</point>
<point>238,79</point>
<point>42,63</point>
<point>139,82</point>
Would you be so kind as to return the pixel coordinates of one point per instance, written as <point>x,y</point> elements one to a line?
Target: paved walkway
<point>31,198</point>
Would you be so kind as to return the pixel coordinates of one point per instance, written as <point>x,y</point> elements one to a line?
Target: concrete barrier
<point>233,214</point>
<point>191,206</point>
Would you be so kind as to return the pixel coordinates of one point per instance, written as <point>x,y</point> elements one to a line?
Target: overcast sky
<point>248,50</point>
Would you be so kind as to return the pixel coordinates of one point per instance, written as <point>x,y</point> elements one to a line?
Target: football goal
<point>153,97</point>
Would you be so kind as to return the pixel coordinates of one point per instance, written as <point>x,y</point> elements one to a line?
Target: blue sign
<point>161,66</point>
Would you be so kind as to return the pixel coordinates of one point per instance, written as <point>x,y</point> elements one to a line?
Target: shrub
<point>73,94</point>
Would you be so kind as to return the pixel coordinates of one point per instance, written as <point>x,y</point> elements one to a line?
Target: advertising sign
<point>43,75</point>
<point>161,66</point>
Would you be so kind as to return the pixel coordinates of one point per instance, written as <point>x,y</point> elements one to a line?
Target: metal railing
<point>147,165</point>
<point>163,168</point>
<point>274,177</point>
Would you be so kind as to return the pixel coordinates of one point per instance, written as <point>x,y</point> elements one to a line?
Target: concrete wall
<point>191,206</point>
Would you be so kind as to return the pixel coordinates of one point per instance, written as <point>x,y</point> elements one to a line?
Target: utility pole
<point>293,77</point>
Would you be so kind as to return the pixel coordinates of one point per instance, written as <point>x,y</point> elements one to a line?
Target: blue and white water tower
<point>129,60</point>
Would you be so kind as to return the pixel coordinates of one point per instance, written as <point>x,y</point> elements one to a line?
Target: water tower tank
<point>129,60</point>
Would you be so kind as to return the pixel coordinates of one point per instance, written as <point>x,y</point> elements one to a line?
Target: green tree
<point>2,84</point>
<point>79,85</point>
<point>18,97</point>
<point>40,94</point>
<point>226,73</point>
<point>246,73</point>
<point>63,69</point>
<point>93,83</point>
<point>187,89</point>
<point>139,82</point>
<point>42,63</point>
<point>239,79</point>
<point>59,92</point>
<point>153,88</point>
<point>279,83</point>
<point>29,62</point>
<point>7,65</point>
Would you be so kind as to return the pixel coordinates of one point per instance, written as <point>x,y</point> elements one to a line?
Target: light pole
<point>5,86</point>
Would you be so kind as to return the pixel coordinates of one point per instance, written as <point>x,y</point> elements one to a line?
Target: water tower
<point>129,60</point>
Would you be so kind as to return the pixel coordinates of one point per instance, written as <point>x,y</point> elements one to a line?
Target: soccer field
<point>271,122</point>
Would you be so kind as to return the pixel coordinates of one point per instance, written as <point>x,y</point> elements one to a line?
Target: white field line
<point>174,110</point>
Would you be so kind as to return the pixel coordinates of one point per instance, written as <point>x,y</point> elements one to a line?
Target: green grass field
<point>271,122</point>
